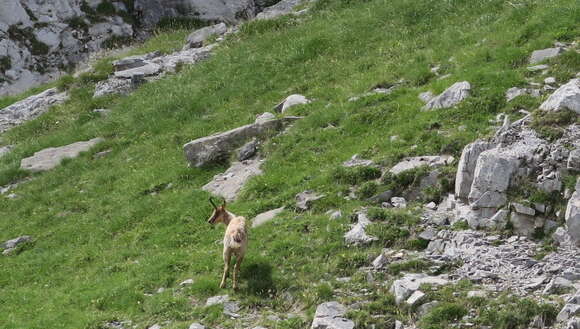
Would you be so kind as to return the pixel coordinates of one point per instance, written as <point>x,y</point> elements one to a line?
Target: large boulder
<point>51,157</point>
<point>205,150</point>
<point>565,97</point>
<point>450,97</point>
<point>573,215</point>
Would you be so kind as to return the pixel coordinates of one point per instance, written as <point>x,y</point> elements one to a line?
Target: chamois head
<point>219,213</point>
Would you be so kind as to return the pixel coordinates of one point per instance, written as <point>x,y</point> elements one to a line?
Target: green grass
<point>101,243</point>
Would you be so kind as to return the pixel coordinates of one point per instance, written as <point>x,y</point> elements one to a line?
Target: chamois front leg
<point>239,260</point>
<point>227,258</point>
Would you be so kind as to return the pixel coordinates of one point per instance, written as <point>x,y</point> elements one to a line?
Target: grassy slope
<point>101,241</point>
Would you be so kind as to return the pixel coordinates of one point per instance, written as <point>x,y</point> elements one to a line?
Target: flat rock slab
<point>281,8</point>
<point>266,216</point>
<point>229,183</point>
<point>543,54</point>
<point>330,315</point>
<point>30,108</point>
<point>51,157</point>
<point>145,70</point>
<point>416,162</point>
<point>205,150</point>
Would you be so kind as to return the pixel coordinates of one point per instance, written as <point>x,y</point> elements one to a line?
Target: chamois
<point>235,239</point>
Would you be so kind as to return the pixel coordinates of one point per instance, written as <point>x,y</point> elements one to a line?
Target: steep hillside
<point>115,233</point>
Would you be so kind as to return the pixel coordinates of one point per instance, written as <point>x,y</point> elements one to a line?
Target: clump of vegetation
<point>65,82</point>
<point>116,41</point>
<point>355,175</point>
<point>106,8</point>
<point>78,23</point>
<point>552,124</point>
<point>512,313</point>
<point>413,265</point>
<point>5,63</point>
<point>179,23</point>
<point>442,315</point>
<point>27,37</point>
<point>367,190</point>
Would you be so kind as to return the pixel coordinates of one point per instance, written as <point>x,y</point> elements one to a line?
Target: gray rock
<point>450,97</point>
<point>521,209</point>
<point>231,309</point>
<point>155,326</point>
<point>357,234</point>
<point>466,167</point>
<point>198,37</point>
<point>196,325</point>
<point>557,285</point>
<point>355,161</point>
<point>497,221</point>
<point>380,261</point>
<point>525,225</point>
<point>229,11</point>
<point>415,298</point>
<point>416,162</point>
<point>407,285</point>
<point>541,55</point>
<point>216,147</point>
<point>425,97</point>
<point>216,300</point>
<point>330,315</point>
<point>560,236</point>
<point>573,162</point>
<point>550,80</point>
<point>334,214</point>
<point>266,116</point>
<point>477,294</point>
<point>30,108</point>
<point>536,68</point>
<point>132,62</point>
<point>568,311</point>
<point>573,323</point>
<point>283,7</point>
<point>113,86</point>
<point>431,205</point>
<point>428,234</point>
<point>565,97</point>
<point>13,243</point>
<point>382,197</point>
<point>266,216</point>
<point>304,199</point>
<point>399,202</point>
<point>515,92</point>
<point>51,157</point>
<point>248,150</point>
<point>572,215</point>
<point>290,101</point>
<point>229,184</point>
<point>426,308</point>
<point>145,70</point>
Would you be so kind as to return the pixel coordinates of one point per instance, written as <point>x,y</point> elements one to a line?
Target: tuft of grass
<point>551,124</point>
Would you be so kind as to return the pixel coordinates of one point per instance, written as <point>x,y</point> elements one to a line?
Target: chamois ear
<point>212,203</point>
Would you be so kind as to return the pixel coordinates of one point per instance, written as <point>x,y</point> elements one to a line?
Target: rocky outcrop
<point>405,288</point>
<point>39,38</point>
<point>10,245</point>
<point>51,157</point>
<point>357,234</point>
<point>228,11</point>
<point>466,167</point>
<point>450,97</point>
<point>283,7</point>
<point>216,147</point>
<point>290,101</point>
<point>229,184</point>
<point>29,108</point>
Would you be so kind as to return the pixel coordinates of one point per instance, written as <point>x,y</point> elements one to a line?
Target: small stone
<point>291,101</point>
<point>266,116</point>
<point>477,294</point>
<point>550,80</point>
<point>196,326</point>
<point>543,54</point>
<point>334,214</point>
<point>521,209</point>
<point>305,199</point>
<point>380,261</point>
<point>186,282</point>
<point>248,150</point>
<point>266,216</point>
<point>431,205</point>
<point>536,68</point>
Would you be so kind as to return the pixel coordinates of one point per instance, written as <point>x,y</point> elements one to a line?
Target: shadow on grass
<point>258,275</point>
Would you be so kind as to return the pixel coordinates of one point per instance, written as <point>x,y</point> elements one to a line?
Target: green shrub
<point>355,175</point>
<point>367,190</point>
<point>106,8</point>
<point>443,314</point>
<point>551,124</point>
<point>65,82</point>
<point>5,63</point>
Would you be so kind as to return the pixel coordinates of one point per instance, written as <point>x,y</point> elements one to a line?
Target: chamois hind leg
<point>239,259</point>
<point>227,258</point>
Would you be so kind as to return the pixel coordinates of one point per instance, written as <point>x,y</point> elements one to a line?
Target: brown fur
<point>235,239</point>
